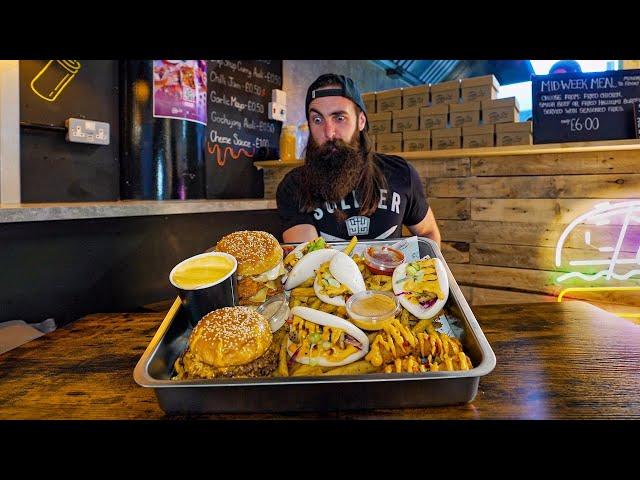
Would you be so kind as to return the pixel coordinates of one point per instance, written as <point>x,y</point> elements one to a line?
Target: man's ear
<point>362,121</point>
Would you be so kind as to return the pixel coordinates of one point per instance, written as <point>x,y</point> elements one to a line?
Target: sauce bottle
<point>288,143</point>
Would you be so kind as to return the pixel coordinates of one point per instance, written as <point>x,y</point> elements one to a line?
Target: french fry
<point>422,325</point>
<point>341,312</point>
<point>351,246</point>
<point>302,292</point>
<point>356,368</point>
<point>310,370</point>
<point>326,307</point>
<point>283,369</point>
<point>309,282</point>
<point>404,317</point>
<point>379,282</point>
<point>295,302</point>
<point>314,302</point>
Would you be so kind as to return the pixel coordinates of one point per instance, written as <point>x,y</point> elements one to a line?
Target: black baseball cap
<point>346,88</point>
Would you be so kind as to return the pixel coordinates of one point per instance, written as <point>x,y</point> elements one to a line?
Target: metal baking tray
<point>296,394</point>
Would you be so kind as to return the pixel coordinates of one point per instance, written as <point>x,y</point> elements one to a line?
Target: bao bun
<point>256,251</point>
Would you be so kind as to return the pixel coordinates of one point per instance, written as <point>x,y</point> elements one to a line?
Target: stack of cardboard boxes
<point>453,114</point>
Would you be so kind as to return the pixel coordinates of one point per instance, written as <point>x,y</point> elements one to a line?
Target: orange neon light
<point>221,157</point>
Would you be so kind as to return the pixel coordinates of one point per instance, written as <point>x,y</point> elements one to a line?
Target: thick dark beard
<point>333,170</point>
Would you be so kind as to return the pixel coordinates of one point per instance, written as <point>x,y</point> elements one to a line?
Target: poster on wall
<point>180,90</point>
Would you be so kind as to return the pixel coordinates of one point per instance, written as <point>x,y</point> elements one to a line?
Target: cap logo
<point>327,92</point>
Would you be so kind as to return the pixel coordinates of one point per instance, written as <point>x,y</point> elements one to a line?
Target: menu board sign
<point>238,127</point>
<point>579,107</point>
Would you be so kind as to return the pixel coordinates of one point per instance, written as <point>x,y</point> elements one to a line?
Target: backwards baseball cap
<point>341,86</point>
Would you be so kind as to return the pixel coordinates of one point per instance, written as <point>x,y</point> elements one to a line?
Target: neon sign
<point>53,78</point>
<point>602,214</point>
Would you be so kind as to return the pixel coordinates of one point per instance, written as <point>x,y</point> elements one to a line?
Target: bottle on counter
<point>288,143</point>
<point>302,139</point>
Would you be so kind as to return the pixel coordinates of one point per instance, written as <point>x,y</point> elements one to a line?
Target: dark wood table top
<point>554,361</point>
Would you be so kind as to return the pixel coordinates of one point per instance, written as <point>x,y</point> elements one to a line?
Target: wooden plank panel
<point>456,252</point>
<point>442,167</point>
<point>535,210</point>
<point>491,296</point>
<point>543,258</point>
<point>558,186</point>
<point>451,208</point>
<point>466,292</point>
<point>548,234</point>
<point>539,281</point>
<point>457,230</point>
<point>621,161</point>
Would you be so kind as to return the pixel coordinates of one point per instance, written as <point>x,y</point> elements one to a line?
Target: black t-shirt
<point>403,202</point>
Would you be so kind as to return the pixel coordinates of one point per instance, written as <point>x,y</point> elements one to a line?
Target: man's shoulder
<point>292,177</point>
<point>392,162</point>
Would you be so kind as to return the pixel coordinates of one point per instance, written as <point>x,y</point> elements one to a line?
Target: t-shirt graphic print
<point>402,202</point>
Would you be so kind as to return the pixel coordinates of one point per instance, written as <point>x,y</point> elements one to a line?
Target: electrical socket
<point>87,131</point>
<point>279,96</point>
<point>277,112</point>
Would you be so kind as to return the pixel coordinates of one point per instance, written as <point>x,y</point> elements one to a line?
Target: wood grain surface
<point>554,361</point>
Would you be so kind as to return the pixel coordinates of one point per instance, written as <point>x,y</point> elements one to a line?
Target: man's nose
<point>329,131</point>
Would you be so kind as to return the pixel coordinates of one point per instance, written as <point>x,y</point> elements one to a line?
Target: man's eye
<point>316,120</point>
<point>341,118</point>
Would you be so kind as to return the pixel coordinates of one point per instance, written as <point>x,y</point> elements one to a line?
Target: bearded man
<point>345,188</point>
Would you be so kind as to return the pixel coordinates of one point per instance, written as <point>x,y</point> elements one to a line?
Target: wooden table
<point>554,361</point>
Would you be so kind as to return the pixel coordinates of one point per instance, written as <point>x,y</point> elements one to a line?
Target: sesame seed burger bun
<point>229,342</point>
<point>230,336</point>
<point>256,251</point>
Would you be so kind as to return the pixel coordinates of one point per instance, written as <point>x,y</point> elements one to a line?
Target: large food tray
<point>288,394</point>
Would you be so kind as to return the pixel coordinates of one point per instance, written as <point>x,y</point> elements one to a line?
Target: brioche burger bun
<point>229,342</point>
<point>260,264</point>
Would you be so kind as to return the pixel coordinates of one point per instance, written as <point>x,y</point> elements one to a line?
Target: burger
<point>229,342</point>
<point>260,264</point>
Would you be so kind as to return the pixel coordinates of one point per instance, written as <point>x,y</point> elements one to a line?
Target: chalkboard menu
<point>238,127</point>
<point>578,107</point>
<point>637,112</point>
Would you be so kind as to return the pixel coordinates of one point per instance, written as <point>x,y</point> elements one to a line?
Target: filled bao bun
<point>331,346</point>
<point>307,266</point>
<point>345,271</point>
<point>399,284</point>
<point>301,250</point>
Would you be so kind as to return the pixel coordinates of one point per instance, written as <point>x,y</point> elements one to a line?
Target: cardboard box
<point>445,92</point>
<point>502,110</point>
<point>434,117</point>
<point>369,100</point>
<point>379,122</point>
<point>516,133</point>
<point>464,114</point>
<point>388,100</point>
<point>416,141</point>
<point>406,120</point>
<point>446,138</point>
<point>415,96</point>
<point>389,142</point>
<point>477,137</point>
<point>479,88</point>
